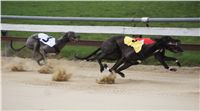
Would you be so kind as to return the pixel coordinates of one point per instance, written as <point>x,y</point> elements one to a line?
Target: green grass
<point>187,58</point>
<point>101,9</point>
<point>104,9</point>
<point>101,37</point>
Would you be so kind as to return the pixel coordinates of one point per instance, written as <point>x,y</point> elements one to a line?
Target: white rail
<point>103,29</point>
<point>103,19</point>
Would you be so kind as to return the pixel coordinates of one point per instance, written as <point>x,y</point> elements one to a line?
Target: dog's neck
<point>153,48</point>
<point>62,42</point>
<point>159,43</point>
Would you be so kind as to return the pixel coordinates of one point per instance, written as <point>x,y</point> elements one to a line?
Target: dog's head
<point>72,36</point>
<point>171,44</point>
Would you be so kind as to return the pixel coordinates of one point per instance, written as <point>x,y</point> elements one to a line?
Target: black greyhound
<point>115,49</point>
<point>34,43</point>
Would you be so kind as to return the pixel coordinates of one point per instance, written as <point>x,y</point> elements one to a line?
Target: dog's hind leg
<point>99,57</point>
<point>38,61</point>
<point>117,64</point>
<point>123,67</point>
<point>43,55</point>
<point>41,59</point>
<point>36,47</point>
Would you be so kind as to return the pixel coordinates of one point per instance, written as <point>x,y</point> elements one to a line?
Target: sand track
<point>145,87</point>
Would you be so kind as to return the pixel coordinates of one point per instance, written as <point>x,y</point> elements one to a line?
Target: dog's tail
<point>11,46</point>
<point>87,57</point>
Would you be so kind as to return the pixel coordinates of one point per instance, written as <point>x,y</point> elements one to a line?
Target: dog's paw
<point>173,69</point>
<point>178,63</point>
<point>101,69</point>
<point>122,75</point>
<point>105,66</point>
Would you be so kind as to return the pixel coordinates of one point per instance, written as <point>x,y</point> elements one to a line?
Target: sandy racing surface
<point>145,88</point>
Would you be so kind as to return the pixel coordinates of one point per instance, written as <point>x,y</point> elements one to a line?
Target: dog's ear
<point>67,34</point>
<point>165,38</point>
<point>70,34</point>
<point>158,38</point>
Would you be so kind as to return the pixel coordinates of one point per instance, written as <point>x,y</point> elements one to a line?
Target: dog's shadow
<point>140,81</point>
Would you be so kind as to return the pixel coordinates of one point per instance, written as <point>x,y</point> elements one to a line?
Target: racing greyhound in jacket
<point>122,49</point>
<point>42,44</point>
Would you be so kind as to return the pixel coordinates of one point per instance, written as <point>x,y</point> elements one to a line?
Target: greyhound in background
<point>115,49</point>
<point>39,46</point>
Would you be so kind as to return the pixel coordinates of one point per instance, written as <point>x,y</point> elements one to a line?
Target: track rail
<point>192,47</point>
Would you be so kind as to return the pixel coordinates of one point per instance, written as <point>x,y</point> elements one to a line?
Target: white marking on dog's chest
<point>44,38</point>
<point>158,50</point>
<point>139,61</point>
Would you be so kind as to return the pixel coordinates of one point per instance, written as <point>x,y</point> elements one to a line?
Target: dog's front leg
<point>43,55</point>
<point>172,59</point>
<point>35,49</point>
<point>160,58</point>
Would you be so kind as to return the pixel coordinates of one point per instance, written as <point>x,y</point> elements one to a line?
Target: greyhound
<point>115,49</point>
<point>38,43</point>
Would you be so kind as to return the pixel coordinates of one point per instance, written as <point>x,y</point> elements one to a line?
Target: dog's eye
<point>171,43</point>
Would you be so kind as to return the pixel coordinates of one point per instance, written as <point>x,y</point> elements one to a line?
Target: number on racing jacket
<point>47,39</point>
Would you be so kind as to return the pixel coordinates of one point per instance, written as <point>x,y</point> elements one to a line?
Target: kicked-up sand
<point>145,87</point>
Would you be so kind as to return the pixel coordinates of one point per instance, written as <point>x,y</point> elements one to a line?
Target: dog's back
<point>33,39</point>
